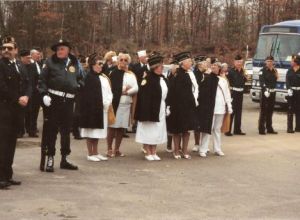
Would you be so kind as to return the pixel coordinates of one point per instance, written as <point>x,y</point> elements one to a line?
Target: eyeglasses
<point>7,47</point>
<point>123,60</point>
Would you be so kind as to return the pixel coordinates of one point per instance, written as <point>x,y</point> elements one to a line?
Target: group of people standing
<point>111,95</point>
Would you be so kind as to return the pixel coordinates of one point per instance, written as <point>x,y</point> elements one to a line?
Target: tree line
<point>208,27</point>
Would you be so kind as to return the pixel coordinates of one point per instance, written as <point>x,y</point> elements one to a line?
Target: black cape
<point>207,97</point>
<point>91,103</point>
<point>149,98</point>
<point>182,103</point>
<point>116,78</point>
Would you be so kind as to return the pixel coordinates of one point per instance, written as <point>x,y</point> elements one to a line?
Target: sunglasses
<point>7,47</point>
<point>123,60</point>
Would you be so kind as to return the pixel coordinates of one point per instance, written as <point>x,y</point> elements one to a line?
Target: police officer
<point>268,79</point>
<point>14,95</point>
<point>293,87</point>
<point>59,82</point>
<point>237,78</point>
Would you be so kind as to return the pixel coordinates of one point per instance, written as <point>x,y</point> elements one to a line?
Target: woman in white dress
<point>124,87</point>
<point>151,109</point>
<point>95,99</point>
<point>221,103</point>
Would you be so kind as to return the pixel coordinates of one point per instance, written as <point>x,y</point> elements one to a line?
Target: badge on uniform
<point>72,69</point>
<point>144,82</point>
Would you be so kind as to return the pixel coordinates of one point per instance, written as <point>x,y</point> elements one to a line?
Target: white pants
<point>216,133</point>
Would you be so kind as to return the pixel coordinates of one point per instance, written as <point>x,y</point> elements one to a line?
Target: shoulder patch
<point>144,82</point>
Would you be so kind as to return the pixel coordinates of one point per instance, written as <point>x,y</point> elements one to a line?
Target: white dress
<point>154,133</point>
<point>107,100</point>
<point>123,111</point>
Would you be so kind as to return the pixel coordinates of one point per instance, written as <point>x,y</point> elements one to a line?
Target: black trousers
<point>266,112</point>
<point>237,107</point>
<point>58,118</point>
<point>32,113</point>
<point>296,107</point>
<point>9,122</point>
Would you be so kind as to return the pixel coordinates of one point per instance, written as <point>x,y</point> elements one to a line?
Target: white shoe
<point>155,157</point>
<point>101,157</point>
<point>219,153</point>
<point>149,158</point>
<point>202,154</point>
<point>93,158</point>
<point>195,148</point>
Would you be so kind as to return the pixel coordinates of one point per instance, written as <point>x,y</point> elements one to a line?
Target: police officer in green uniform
<point>59,82</point>
<point>268,79</point>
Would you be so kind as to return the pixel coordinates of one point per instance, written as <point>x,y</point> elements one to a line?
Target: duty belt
<point>295,88</point>
<point>237,89</point>
<point>61,94</point>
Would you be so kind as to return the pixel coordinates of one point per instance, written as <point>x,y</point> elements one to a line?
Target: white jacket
<point>220,104</point>
<point>129,80</point>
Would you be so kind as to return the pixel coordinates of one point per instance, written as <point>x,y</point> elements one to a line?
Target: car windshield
<point>281,46</point>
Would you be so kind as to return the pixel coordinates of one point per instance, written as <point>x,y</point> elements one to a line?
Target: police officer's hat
<point>182,56</point>
<point>297,60</point>
<point>155,59</point>
<point>60,43</point>
<point>271,58</point>
<point>238,57</point>
<point>24,53</point>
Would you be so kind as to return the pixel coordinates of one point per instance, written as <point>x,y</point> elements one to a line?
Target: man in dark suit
<point>141,67</point>
<point>15,91</point>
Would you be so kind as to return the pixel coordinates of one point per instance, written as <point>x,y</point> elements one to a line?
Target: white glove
<point>290,92</point>
<point>267,94</point>
<point>105,107</point>
<point>230,111</point>
<point>168,112</point>
<point>47,100</point>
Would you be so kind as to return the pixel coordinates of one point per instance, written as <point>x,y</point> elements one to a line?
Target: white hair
<point>126,55</point>
<point>33,51</point>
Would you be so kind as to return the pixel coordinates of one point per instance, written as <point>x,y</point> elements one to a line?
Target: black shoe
<point>228,134</point>
<point>239,133</point>
<point>14,182</point>
<point>290,131</point>
<point>4,185</point>
<point>78,138</point>
<point>50,164</point>
<point>125,136</point>
<point>64,164</point>
<point>262,133</point>
<point>272,132</point>
<point>297,130</point>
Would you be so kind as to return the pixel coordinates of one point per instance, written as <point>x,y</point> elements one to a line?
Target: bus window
<point>286,46</point>
<point>264,46</point>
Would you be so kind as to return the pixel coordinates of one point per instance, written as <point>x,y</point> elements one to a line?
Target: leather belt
<point>237,89</point>
<point>61,94</point>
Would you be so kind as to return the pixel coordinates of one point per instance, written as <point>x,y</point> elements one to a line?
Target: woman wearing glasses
<point>124,86</point>
<point>95,99</point>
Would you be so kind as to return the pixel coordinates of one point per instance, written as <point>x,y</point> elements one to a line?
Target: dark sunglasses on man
<point>9,48</point>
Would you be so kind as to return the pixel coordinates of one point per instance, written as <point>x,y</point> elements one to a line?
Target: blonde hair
<point>109,55</point>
